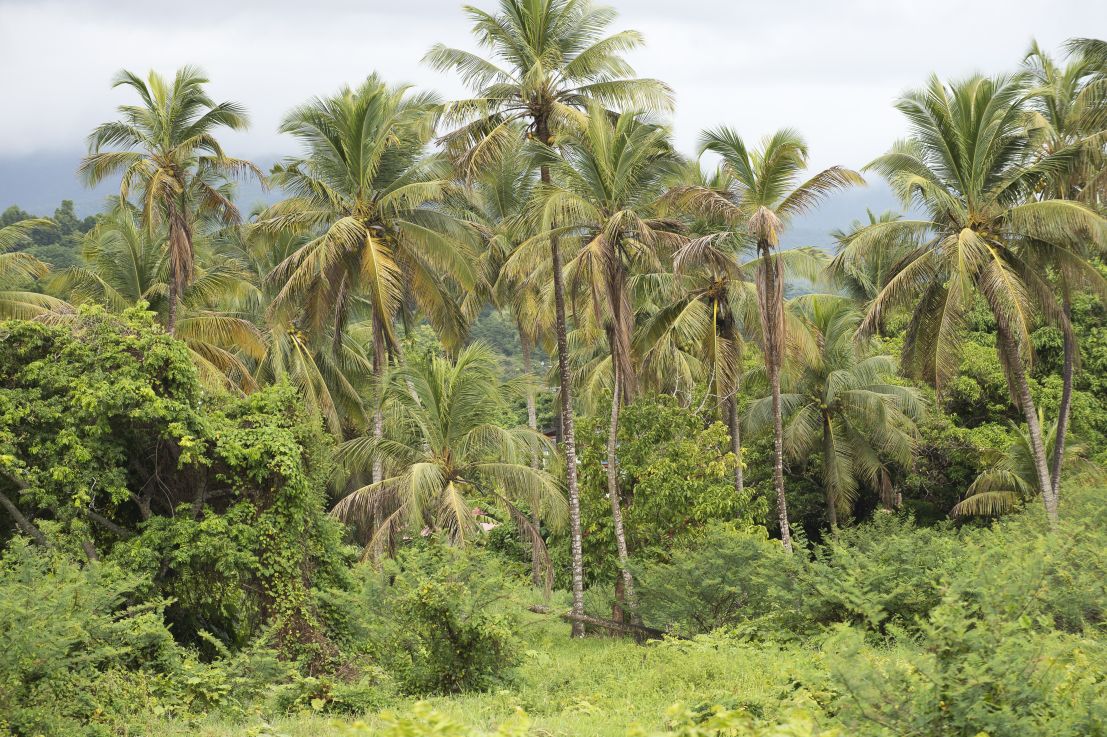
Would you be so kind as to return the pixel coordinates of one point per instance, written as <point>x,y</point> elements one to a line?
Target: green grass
<point>595,687</point>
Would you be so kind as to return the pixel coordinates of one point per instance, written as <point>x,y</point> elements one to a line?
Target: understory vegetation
<point>504,417</point>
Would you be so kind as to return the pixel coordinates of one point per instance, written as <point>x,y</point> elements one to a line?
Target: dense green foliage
<point>361,447</point>
<point>445,621</point>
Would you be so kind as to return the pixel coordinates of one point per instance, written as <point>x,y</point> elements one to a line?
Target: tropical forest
<point>501,414</point>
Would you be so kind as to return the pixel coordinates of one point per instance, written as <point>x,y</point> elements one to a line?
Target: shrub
<point>326,695</point>
<point>75,655</point>
<point>424,721</point>
<point>1018,568</point>
<point>441,618</point>
<point>676,474</point>
<point>974,674</point>
<point>730,576</point>
<point>720,721</point>
<point>883,572</point>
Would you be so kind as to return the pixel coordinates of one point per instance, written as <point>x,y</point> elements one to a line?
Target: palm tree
<point>127,265</point>
<point>366,193</point>
<point>1011,478</point>
<point>446,450</point>
<point>495,204</point>
<point>167,155</point>
<point>764,194</point>
<point>839,401</point>
<point>331,382</point>
<point>968,165</point>
<point>1071,101</point>
<point>604,194</point>
<point>18,270</point>
<point>864,279</point>
<point>550,60</point>
<point>707,305</point>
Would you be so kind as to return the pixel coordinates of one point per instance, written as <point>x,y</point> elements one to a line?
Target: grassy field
<point>596,687</point>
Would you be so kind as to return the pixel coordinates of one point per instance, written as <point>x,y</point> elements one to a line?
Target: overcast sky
<point>830,69</point>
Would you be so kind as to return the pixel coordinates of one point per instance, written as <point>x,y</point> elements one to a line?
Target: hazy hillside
<point>38,183</point>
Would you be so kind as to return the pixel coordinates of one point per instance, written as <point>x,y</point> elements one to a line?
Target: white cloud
<point>830,69</point>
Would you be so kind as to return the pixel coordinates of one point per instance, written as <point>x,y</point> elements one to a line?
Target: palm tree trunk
<point>535,463</point>
<point>613,494</point>
<point>1017,375</point>
<point>379,358</point>
<point>568,432</point>
<point>532,407</point>
<point>1066,395</point>
<point>174,298</point>
<point>180,263</point>
<point>778,459</point>
<point>828,448</point>
<point>736,445</point>
<point>770,295</point>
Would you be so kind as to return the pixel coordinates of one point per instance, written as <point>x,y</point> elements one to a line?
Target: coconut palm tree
<point>1011,477</point>
<point>495,204</point>
<point>367,193</point>
<point>1071,101</point>
<point>168,157</point>
<point>447,453</point>
<point>839,401</point>
<point>707,304</point>
<point>126,265</point>
<point>863,280</point>
<point>971,165</point>
<point>604,195</point>
<point>550,58</point>
<point>332,382</point>
<point>18,270</point>
<point>765,193</point>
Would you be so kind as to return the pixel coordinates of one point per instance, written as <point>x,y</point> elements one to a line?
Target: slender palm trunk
<point>535,461</point>
<point>532,407</point>
<point>174,298</point>
<point>379,360</point>
<point>613,495</point>
<point>736,444</point>
<point>828,448</point>
<point>778,459</point>
<point>568,432</point>
<point>771,301</point>
<point>1017,376</point>
<point>1066,396</point>
<point>180,263</point>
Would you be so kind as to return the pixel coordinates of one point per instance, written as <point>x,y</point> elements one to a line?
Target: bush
<point>325,695</point>
<point>76,655</point>
<point>730,576</point>
<point>1019,568</point>
<point>883,572</point>
<point>1014,645</point>
<point>442,619</point>
<point>676,475</point>
<point>974,674</point>
<point>217,503</point>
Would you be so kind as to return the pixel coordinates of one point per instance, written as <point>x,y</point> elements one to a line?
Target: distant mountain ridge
<point>39,182</point>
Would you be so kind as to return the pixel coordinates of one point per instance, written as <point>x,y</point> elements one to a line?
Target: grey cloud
<point>830,69</point>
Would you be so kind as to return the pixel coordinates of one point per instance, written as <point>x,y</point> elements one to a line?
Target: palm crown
<point>167,155</point>
<point>550,60</point>
<point>365,190</point>
<point>445,449</point>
